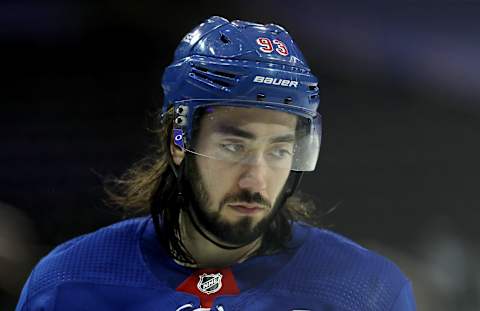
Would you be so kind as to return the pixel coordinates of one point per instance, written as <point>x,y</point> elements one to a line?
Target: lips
<point>245,208</point>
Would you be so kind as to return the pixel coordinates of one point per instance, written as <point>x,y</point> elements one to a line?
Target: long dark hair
<point>149,186</point>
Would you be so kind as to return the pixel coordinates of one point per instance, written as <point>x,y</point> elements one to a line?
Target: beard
<point>239,233</point>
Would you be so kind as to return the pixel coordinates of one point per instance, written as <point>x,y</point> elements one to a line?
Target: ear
<point>177,153</point>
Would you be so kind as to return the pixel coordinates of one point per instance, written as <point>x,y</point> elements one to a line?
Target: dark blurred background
<point>400,91</point>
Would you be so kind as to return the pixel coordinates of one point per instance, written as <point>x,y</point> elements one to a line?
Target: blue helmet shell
<point>221,60</point>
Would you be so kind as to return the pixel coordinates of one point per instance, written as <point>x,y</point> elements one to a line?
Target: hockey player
<point>239,126</point>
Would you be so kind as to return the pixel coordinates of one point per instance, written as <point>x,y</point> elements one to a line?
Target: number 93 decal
<point>268,46</point>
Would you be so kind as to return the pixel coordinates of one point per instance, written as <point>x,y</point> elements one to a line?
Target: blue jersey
<point>123,267</point>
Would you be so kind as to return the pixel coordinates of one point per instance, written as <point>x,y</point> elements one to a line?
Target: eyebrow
<point>235,131</point>
<point>288,138</point>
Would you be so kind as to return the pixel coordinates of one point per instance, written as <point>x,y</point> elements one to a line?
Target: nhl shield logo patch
<point>210,283</point>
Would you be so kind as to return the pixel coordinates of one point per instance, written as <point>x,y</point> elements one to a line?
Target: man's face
<point>249,155</point>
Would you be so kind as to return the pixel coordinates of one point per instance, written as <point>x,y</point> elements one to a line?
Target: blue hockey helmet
<point>240,70</point>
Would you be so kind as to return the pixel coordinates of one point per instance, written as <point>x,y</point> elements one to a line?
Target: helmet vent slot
<point>218,78</point>
<point>201,68</point>
<point>224,39</point>
<point>225,74</point>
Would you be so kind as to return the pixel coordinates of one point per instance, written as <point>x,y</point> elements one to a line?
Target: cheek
<point>216,178</point>
<point>276,181</point>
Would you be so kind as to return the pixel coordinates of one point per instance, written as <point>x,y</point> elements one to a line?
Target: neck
<point>209,255</point>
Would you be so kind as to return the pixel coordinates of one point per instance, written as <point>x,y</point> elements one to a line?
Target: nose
<point>253,177</point>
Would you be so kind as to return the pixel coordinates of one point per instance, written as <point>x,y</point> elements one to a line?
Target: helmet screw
<point>182,110</point>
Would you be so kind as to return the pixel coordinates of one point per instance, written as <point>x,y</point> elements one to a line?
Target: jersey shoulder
<point>343,273</point>
<point>110,255</point>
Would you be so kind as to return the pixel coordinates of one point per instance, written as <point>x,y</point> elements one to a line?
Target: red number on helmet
<point>266,45</point>
<point>281,47</point>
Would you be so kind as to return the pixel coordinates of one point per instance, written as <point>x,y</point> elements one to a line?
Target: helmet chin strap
<point>188,201</point>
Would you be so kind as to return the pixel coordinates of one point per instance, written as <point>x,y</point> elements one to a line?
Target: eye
<point>232,147</point>
<point>281,153</point>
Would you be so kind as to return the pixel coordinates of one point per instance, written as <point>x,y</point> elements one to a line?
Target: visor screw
<point>260,97</point>
<point>288,100</point>
<point>182,110</point>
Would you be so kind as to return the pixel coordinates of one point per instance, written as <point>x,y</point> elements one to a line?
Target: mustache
<point>247,197</point>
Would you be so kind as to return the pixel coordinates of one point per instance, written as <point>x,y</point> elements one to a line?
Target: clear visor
<point>254,136</point>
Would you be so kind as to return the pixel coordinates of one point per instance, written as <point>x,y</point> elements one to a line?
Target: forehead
<point>252,118</point>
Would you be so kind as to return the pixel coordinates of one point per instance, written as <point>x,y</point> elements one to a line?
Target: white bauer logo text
<point>275,81</point>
